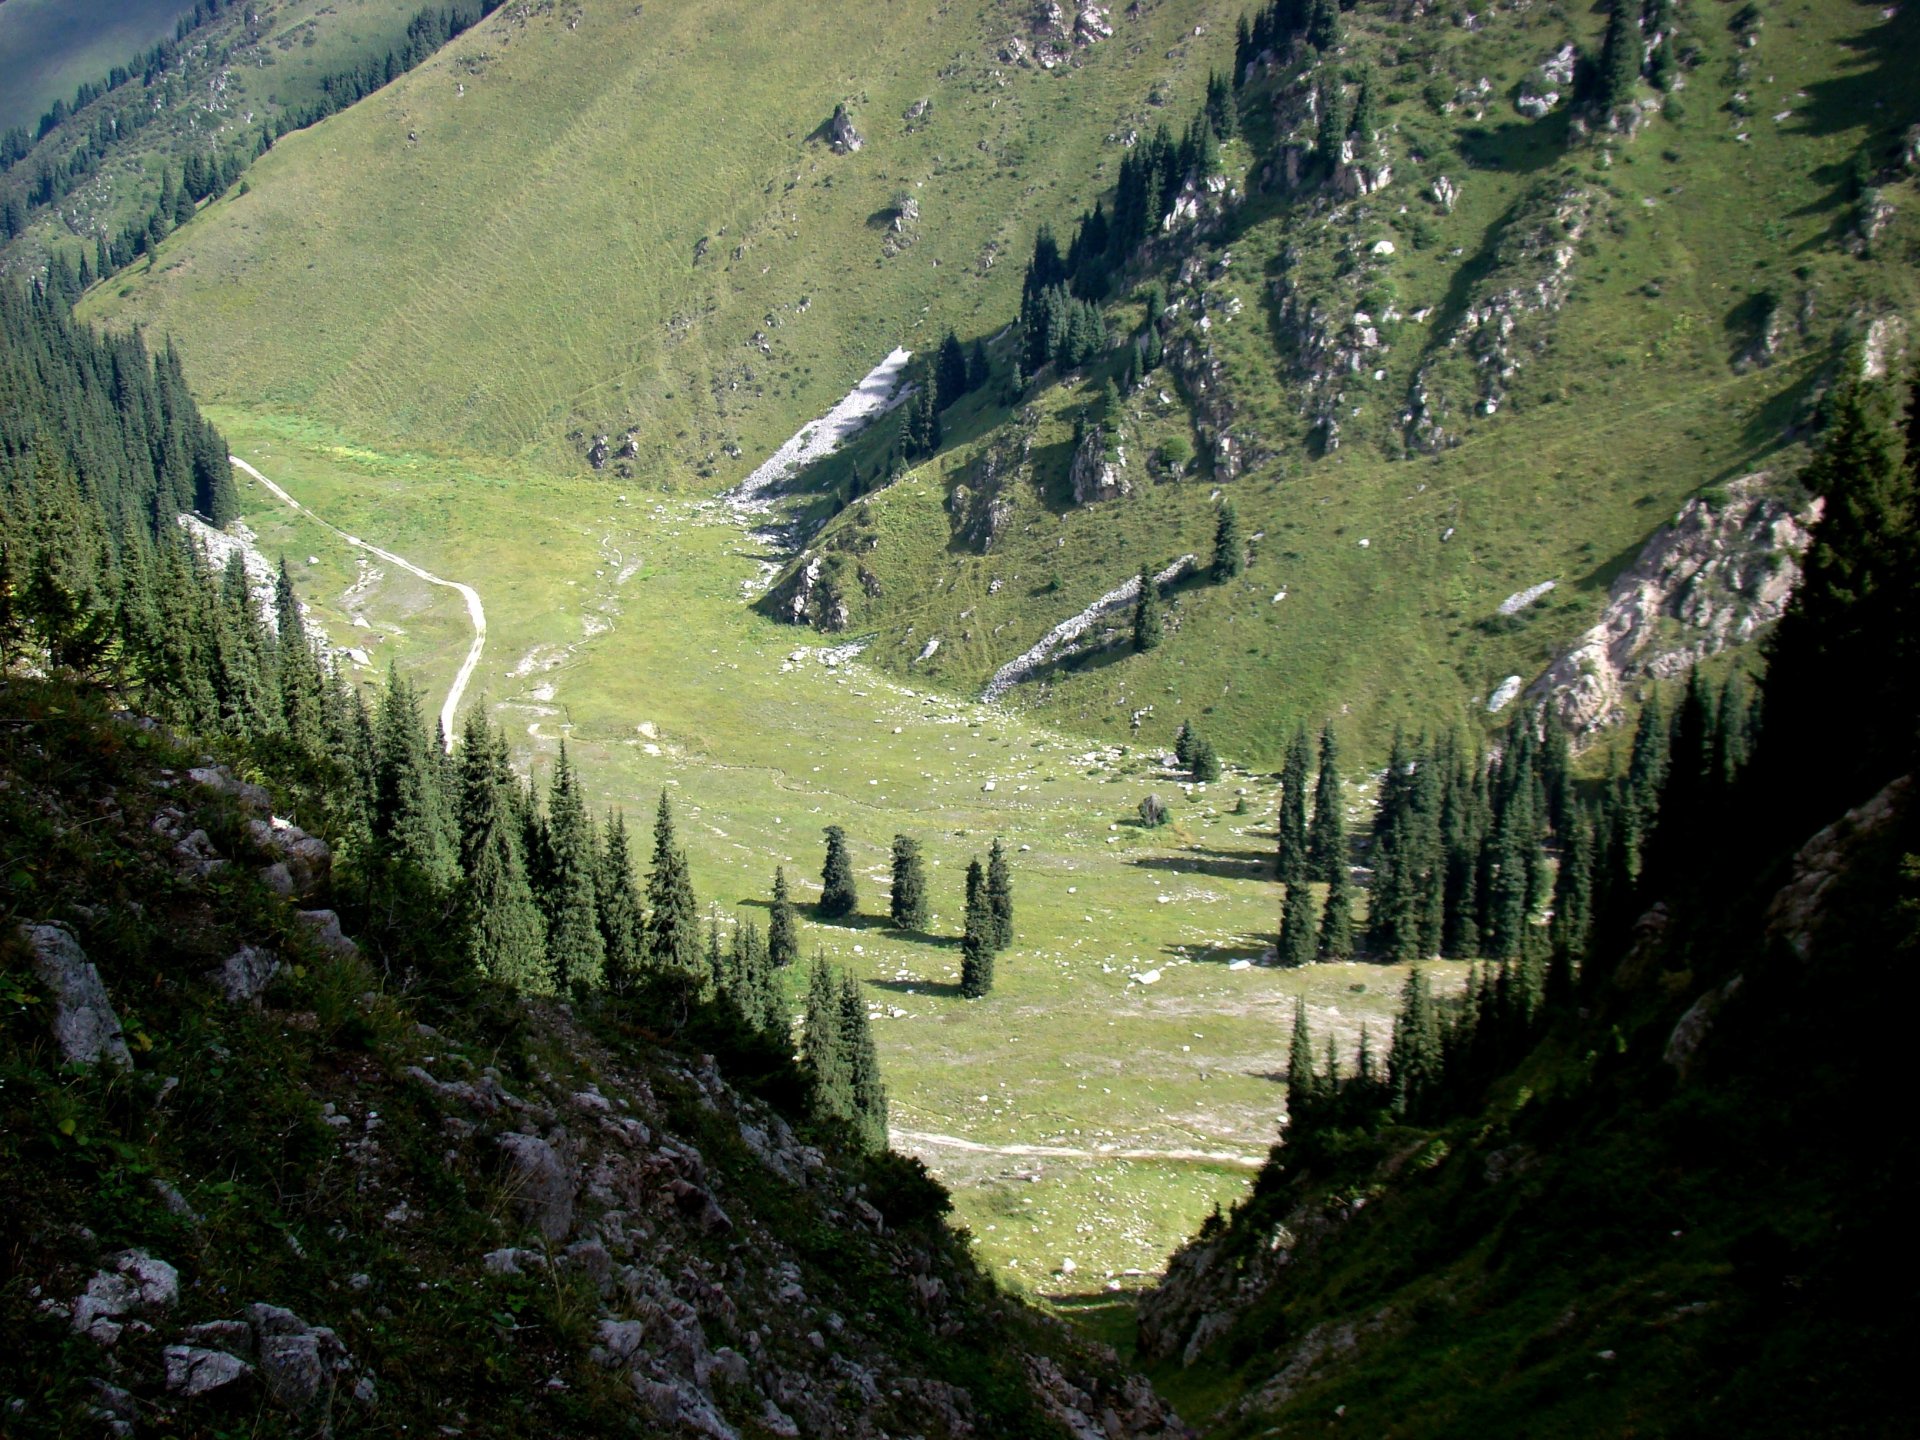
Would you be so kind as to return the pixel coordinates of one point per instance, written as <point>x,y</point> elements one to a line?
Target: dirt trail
<point>910,1140</point>
<point>475,612</point>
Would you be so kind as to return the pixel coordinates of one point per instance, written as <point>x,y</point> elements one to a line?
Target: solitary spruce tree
<point>907,904</point>
<point>1147,624</point>
<point>1303,1086</point>
<point>621,917</point>
<point>837,896</point>
<point>1299,926</point>
<point>503,933</point>
<point>783,929</point>
<point>1293,859</point>
<point>1229,550</point>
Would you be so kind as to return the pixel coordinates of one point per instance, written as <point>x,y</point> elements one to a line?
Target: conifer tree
<point>1620,56</point>
<point>783,929</point>
<point>1303,1086</point>
<point>907,903</point>
<point>1222,113</point>
<point>1323,25</point>
<point>410,822</point>
<point>979,367</point>
<point>1147,624</point>
<point>866,1095</point>
<point>1229,550</point>
<point>1366,110</point>
<point>999,897</point>
<point>1294,861</point>
<point>950,370</point>
<point>1414,1065</point>
<point>1183,744</point>
<point>976,943</point>
<point>837,895</point>
<point>1203,761</point>
<point>671,942</point>
<point>1331,132</point>
<point>1299,926</point>
<point>1336,919</point>
<point>822,1052</point>
<point>574,944</point>
<point>1327,830</point>
<point>301,684</point>
<point>503,934</point>
<point>619,911</point>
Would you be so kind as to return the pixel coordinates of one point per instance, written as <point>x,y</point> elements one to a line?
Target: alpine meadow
<point>935,719</point>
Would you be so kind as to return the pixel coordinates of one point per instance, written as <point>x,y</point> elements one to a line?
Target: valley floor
<point>1083,1112</point>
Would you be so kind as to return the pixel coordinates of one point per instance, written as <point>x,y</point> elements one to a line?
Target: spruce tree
<point>574,944</point>
<point>410,822</point>
<point>950,370</point>
<point>1303,1086</point>
<point>1414,1066</point>
<point>1229,550</point>
<point>1299,926</point>
<point>1182,744</point>
<point>671,934</point>
<point>301,685</point>
<point>1366,110</point>
<point>1294,861</point>
<point>1147,623</point>
<point>822,1052</point>
<point>502,933</point>
<point>1323,25</point>
<point>907,903</point>
<point>838,898</point>
<point>999,897</point>
<point>1327,831</point>
<point>1620,56</point>
<point>619,911</point>
<point>1203,761</point>
<point>783,928</point>
<point>1336,919</point>
<point>976,943</point>
<point>866,1095</point>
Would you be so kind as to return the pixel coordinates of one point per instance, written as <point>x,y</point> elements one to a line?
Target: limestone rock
<point>246,973</point>
<point>84,1022</point>
<point>308,858</point>
<point>543,1184</point>
<point>841,136</point>
<point>1724,568</point>
<point>324,926</point>
<point>1797,909</point>
<point>194,1371</point>
<point>222,781</point>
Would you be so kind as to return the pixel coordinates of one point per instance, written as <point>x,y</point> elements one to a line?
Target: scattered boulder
<point>543,1184</point>
<point>308,859</point>
<point>842,138</point>
<point>244,975</point>
<point>193,1371</point>
<point>324,927</point>
<point>84,1023</point>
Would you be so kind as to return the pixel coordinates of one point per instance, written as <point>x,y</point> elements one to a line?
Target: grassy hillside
<point>1631,379</point>
<point>603,209</point>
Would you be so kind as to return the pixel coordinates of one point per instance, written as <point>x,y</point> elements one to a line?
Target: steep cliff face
<point>263,1176</point>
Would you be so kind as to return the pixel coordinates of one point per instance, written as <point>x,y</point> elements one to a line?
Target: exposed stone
<point>1694,1026</point>
<point>1796,911</point>
<point>244,975</point>
<point>324,926</point>
<point>1099,470</point>
<point>543,1185</point>
<point>841,136</point>
<point>1724,568</point>
<point>221,780</point>
<point>84,1023</point>
<point>308,858</point>
<point>193,1371</point>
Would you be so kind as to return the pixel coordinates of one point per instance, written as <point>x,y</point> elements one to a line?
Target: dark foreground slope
<point>262,1180</point>
<point>1678,1211</point>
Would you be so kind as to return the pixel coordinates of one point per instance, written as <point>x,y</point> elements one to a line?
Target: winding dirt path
<point>928,1140</point>
<point>475,611</point>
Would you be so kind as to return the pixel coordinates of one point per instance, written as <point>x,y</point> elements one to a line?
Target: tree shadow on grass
<point>1247,947</point>
<point>1220,867</point>
<point>941,989</point>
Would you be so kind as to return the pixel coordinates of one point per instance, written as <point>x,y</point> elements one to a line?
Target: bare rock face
<point>809,596</point>
<point>192,1370</point>
<point>324,926</point>
<point>1724,568</point>
<point>308,858</point>
<point>84,1022</point>
<point>1099,468</point>
<point>246,973</point>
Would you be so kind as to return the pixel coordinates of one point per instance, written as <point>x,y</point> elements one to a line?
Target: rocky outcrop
<point>842,138</point>
<point>1507,322</point>
<point>1719,573</point>
<point>982,504</point>
<point>1099,469</point>
<point>1055,32</point>
<point>85,1025</point>
<point>1092,629</point>
<point>810,595</point>
<point>1797,910</point>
